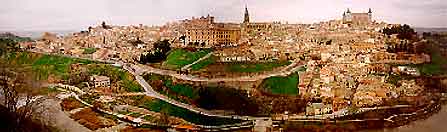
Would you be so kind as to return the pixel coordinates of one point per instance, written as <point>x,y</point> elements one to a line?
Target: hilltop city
<point>199,74</point>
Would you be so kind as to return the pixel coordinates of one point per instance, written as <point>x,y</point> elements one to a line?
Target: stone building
<point>261,26</point>
<point>204,32</point>
<point>197,22</point>
<point>100,81</point>
<point>213,36</point>
<point>318,109</point>
<point>357,18</point>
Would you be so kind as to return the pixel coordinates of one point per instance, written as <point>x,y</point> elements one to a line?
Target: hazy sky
<point>19,15</point>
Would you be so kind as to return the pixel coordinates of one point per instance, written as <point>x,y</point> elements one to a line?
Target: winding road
<point>149,91</point>
<point>295,66</point>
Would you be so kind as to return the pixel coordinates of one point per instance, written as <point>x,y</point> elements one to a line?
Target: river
<point>434,123</point>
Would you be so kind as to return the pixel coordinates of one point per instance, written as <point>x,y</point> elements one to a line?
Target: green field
<point>436,65</point>
<point>161,106</point>
<point>174,91</point>
<point>182,89</point>
<point>282,85</point>
<point>255,67</point>
<point>44,65</point>
<point>180,57</point>
<point>203,64</point>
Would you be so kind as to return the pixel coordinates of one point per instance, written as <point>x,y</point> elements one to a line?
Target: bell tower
<point>246,15</point>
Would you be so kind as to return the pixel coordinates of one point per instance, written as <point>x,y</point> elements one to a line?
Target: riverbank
<point>434,123</point>
<point>376,120</point>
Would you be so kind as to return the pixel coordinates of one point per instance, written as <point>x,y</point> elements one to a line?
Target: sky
<point>29,15</point>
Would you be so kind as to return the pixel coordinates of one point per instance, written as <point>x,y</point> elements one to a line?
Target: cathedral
<point>357,18</point>
<point>257,26</point>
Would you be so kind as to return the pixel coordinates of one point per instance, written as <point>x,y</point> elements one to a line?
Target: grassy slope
<point>435,67</point>
<point>175,91</point>
<point>182,89</point>
<point>202,64</point>
<point>45,65</point>
<point>181,57</point>
<point>282,85</point>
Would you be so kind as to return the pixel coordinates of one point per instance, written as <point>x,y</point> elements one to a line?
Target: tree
<point>158,54</point>
<point>164,46</point>
<point>20,91</point>
<point>402,31</point>
<point>77,77</point>
<point>425,35</point>
<point>8,45</point>
<point>103,25</point>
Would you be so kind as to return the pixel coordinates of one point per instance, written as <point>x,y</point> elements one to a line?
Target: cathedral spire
<point>370,11</point>
<point>246,15</point>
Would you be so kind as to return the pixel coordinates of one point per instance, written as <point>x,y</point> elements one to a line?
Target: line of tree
<point>402,47</point>
<point>402,31</point>
<point>157,54</point>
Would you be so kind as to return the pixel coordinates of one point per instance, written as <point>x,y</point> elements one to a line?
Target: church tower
<point>347,16</point>
<point>370,14</point>
<point>246,15</point>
